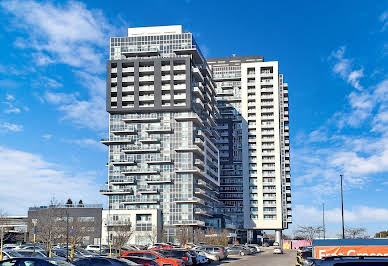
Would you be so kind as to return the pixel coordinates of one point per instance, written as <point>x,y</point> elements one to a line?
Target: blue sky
<point>333,54</point>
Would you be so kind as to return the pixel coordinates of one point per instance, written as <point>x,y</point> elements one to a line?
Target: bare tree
<point>354,232</point>
<point>184,234</point>
<point>199,236</point>
<point>122,232</point>
<point>154,234</point>
<point>49,224</point>
<point>308,232</point>
<point>214,237</point>
<point>4,225</point>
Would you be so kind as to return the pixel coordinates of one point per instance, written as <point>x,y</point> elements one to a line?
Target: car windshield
<point>13,253</point>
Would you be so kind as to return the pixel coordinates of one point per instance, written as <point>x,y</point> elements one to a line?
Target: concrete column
<point>278,237</point>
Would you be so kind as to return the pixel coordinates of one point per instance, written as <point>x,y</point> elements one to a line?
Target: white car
<point>277,250</point>
<point>209,256</point>
<point>95,248</point>
<point>257,247</point>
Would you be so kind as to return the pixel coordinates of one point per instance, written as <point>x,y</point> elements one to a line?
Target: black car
<point>181,254</point>
<point>34,261</point>
<point>102,261</point>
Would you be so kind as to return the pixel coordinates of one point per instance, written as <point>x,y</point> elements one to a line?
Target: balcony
<point>128,79</point>
<point>146,88</point>
<point>147,191</point>
<point>107,142</point>
<point>189,223</point>
<point>128,99</point>
<point>123,131</point>
<point>180,77</point>
<point>146,79</point>
<point>123,181</point>
<point>113,89</point>
<point>113,80</point>
<point>189,149</point>
<point>166,78</point>
<point>139,200</point>
<point>116,191</point>
<point>167,161</point>
<point>146,69</point>
<point>128,89</point>
<point>141,150</point>
<point>128,69</point>
<point>150,140</point>
<point>180,67</point>
<point>197,74</point>
<point>155,180</point>
<point>123,163</point>
<point>141,172</point>
<point>200,193</point>
<point>113,70</point>
<point>198,211</point>
<point>159,130</point>
<point>147,51</point>
<point>142,120</point>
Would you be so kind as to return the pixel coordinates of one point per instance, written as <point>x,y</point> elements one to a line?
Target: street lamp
<point>342,209</point>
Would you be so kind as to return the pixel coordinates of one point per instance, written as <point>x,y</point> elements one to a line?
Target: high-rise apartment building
<point>194,142</point>
<point>162,131</point>
<point>252,98</point>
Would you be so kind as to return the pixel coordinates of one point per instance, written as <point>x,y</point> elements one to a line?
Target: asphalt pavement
<point>266,257</point>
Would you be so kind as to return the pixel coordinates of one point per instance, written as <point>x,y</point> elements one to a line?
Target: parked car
<point>255,246</point>
<point>197,258</point>
<point>303,258</point>
<point>251,250</point>
<point>349,261</point>
<point>95,248</point>
<point>221,252</point>
<point>102,261</point>
<point>143,261</point>
<point>277,250</point>
<point>238,250</point>
<point>209,256</point>
<point>151,254</point>
<point>34,261</point>
<point>181,254</point>
<point>10,254</point>
<point>31,253</point>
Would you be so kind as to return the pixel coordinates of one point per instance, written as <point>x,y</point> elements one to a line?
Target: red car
<point>150,254</point>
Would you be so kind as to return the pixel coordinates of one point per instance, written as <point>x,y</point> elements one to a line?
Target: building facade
<point>252,98</point>
<point>51,222</point>
<point>162,130</point>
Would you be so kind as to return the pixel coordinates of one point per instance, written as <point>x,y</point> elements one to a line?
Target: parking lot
<point>263,258</point>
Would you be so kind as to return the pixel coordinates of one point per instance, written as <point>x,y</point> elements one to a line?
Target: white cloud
<point>47,136</point>
<point>68,33</point>
<point>9,127</point>
<point>43,179</point>
<point>73,35</point>
<point>88,142</point>
<point>343,67</point>
<point>10,97</point>
<point>13,110</point>
<point>384,19</point>
<point>85,114</point>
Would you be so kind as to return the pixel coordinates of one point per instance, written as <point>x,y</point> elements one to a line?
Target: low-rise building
<point>51,222</point>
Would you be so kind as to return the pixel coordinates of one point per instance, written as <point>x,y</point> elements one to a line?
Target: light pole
<point>323,220</point>
<point>342,209</point>
<point>67,235</point>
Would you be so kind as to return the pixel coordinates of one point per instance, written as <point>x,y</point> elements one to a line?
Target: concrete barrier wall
<point>294,244</point>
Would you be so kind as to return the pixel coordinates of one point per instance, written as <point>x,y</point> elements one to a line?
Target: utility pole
<point>342,209</point>
<point>323,220</point>
<point>67,235</point>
